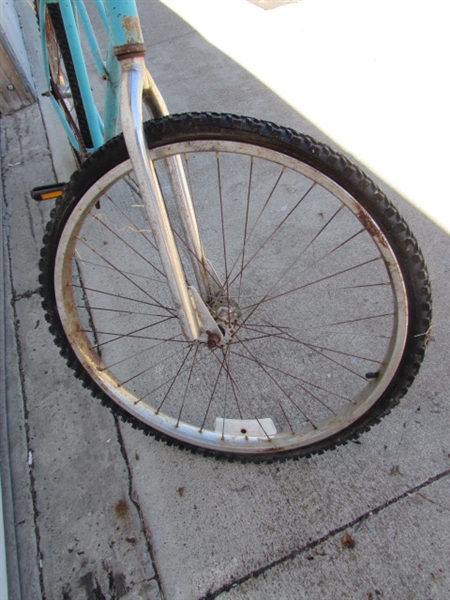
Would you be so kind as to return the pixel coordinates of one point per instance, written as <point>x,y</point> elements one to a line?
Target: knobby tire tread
<point>194,126</point>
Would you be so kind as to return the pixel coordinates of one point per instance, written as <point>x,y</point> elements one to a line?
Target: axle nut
<point>213,340</point>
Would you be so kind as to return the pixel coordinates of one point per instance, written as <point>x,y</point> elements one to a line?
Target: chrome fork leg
<point>195,319</point>
<point>207,280</point>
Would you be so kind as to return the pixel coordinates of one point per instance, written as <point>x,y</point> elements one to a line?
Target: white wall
<point>11,35</point>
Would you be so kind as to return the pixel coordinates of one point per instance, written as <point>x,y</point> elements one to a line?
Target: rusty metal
<point>370,226</point>
<point>131,50</point>
<point>213,340</point>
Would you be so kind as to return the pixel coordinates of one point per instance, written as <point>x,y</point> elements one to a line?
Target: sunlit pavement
<point>372,75</point>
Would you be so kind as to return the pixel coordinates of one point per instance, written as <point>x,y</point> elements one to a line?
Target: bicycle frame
<point>128,84</point>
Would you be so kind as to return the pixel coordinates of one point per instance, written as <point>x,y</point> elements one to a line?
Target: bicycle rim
<point>316,311</point>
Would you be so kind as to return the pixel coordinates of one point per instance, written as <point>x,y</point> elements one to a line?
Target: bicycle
<point>224,283</point>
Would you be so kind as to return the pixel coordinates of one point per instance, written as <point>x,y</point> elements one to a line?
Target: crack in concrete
<point>21,370</point>
<point>24,296</point>
<point>9,519</point>
<point>15,297</point>
<point>211,595</point>
<point>136,504</point>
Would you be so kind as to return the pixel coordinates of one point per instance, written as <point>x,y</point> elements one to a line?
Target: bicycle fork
<point>196,320</point>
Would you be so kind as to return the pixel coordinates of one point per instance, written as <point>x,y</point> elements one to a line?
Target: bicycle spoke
<point>219,373</point>
<point>140,353</point>
<point>186,389</point>
<point>96,265</point>
<point>175,377</point>
<point>123,273</point>
<point>277,384</point>
<point>244,237</point>
<point>233,384</point>
<point>286,333</point>
<point>247,235</point>
<point>268,298</point>
<point>141,256</point>
<point>167,309</point>
<point>274,232</point>
<point>300,380</point>
<point>171,378</point>
<point>222,222</point>
<point>132,334</point>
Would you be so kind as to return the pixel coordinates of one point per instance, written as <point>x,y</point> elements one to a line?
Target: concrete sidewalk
<point>94,509</point>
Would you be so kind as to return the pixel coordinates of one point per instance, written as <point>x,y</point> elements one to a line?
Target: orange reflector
<point>48,192</point>
<point>51,195</point>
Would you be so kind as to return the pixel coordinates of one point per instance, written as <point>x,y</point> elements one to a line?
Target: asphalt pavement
<point>93,509</point>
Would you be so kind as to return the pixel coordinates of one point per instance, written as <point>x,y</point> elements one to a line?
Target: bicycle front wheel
<point>322,292</point>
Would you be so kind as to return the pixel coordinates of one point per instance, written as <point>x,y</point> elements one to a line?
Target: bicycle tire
<point>331,343</point>
<point>63,80</point>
